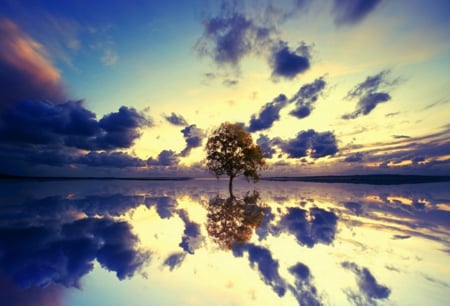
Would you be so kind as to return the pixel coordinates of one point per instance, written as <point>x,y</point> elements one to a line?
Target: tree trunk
<point>230,186</point>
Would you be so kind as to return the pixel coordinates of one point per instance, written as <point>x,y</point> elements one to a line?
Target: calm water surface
<point>186,243</point>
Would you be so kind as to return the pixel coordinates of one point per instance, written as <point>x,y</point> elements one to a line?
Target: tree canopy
<point>231,151</point>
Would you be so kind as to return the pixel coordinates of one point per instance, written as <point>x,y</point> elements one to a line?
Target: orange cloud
<point>25,70</point>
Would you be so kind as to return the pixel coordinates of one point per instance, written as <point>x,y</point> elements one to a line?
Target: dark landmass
<point>8,177</point>
<point>375,179</point>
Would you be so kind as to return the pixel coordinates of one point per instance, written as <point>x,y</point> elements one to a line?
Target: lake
<point>186,243</point>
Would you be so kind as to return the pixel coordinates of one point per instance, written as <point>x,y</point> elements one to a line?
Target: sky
<point>134,88</point>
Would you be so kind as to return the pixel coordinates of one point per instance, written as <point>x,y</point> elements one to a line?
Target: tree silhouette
<point>231,151</point>
<point>233,220</point>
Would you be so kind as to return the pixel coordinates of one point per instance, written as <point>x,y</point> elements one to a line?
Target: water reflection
<point>233,220</point>
<point>289,243</point>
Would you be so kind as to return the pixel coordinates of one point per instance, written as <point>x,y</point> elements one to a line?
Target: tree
<point>231,151</point>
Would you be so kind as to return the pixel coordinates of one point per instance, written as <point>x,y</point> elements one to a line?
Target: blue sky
<point>134,88</point>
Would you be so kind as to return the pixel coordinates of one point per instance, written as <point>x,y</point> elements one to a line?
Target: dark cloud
<point>354,158</point>
<point>38,255</point>
<point>110,159</point>
<point>310,228</point>
<point>310,143</point>
<point>121,128</point>
<point>368,285</point>
<point>44,133</point>
<point>306,97</point>
<point>304,291</point>
<point>268,115</point>
<point>368,94</point>
<point>166,207</point>
<point>176,119</point>
<point>352,11</point>
<point>165,158</point>
<point>267,266</point>
<point>192,238</point>
<point>175,260</point>
<point>234,34</point>
<point>231,35</point>
<point>401,136</point>
<point>354,207</point>
<point>266,145</point>
<point>25,71</point>
<point>287,63</point>
<point>193,137</point>
<point>400,237</point>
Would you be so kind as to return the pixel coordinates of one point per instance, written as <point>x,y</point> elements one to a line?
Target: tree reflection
<point>233,220</point>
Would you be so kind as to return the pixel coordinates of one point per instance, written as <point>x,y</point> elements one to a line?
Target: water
<point>186,243</point>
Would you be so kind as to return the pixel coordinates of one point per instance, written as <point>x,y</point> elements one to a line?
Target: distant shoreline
<point>371,179</point>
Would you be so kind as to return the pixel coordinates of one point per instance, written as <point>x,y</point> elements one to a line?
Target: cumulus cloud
<point>176,119</point>
<point>109,159</point>
<point>25,70</point>
<point>309,227</point>
<point>165,158</point>
<point>368,285</point>
<point>268,114</point>
<point>304,291</point>
<point>174,260</point>
<point>166,207</point>
<point>266,145</point>
<point>234,34</point>
<point>354,158</point>
<point>193,137</point>
<point>368,95</point>
<point>192,238</point>
<point>352,11</point>
<point>309,143</point>
<point>38,255</point>
<point>47,133</point>
<point>267,266</point>
<point>231,35</point>
<point>306,97</point>
<point>289,63</point>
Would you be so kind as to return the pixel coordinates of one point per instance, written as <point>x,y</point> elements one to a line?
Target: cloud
<point>306,97</point>
<point>176,119</point>
<point>41,132</point>
<point>309,143</point>
<point>401,136</point>
<point>175,260</point>
<point>368,95</point>
<point>165,158</point>
<point>310,228</point>
<point>230,83</point>
<point>231,35</point>
<point>25,70</point>
<point>266,145</point>
<point>367,283</point>
<point>69,124</point>
<point>110,159</point>
<point>236,33</point>
<point>304,291</point>
<point>354,158</point>
<point>166,207</point>
<point>193,137</point>
<point>62,253</point>
<point>352,11</point>
<point>287,63</point>
<point>268,114</point>
<point>192,238</point>
<point>267,266</point>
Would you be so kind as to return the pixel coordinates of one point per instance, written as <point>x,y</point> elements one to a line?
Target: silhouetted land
<point>375,179</point>
<point>68,178</point>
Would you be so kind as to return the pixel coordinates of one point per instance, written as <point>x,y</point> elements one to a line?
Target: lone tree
<point>231,151</point>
